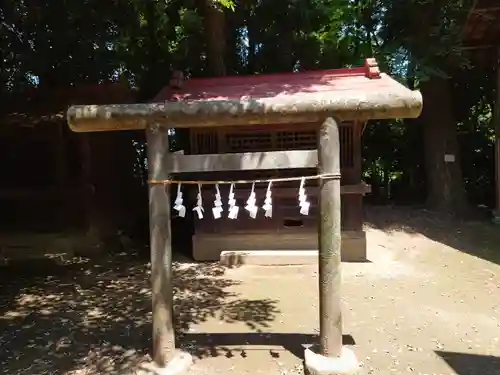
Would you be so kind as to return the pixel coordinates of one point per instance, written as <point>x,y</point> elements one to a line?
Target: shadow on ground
<point>226,344</point>
<point>475,237</point>
<point>97,316</point>
<point>471,364</point>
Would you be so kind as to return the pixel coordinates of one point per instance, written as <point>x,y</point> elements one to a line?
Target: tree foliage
<point>62,43</point>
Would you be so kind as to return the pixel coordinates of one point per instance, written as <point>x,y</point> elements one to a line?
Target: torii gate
<point>344,94</point>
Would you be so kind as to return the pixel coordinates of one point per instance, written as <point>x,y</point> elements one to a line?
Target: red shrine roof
<point>354,93</point>
<point>278,85</point>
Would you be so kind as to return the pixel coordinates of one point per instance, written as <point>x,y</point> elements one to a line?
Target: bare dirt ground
<point>428,302</point>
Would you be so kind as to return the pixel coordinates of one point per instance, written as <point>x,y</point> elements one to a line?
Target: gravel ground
<point>428,302</point>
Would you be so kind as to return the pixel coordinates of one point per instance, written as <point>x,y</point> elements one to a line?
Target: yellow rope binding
<point>323,176</point>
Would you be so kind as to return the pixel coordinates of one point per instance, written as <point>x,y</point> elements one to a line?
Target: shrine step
<point>269,257</point>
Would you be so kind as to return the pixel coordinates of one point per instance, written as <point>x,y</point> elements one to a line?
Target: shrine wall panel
<point>286,216</point>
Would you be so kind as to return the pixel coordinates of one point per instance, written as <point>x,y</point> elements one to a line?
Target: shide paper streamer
<point>251,203</point>
<point>199,204</point>
<point>178,204</point>
<point>251,207</point>
<point>268,202</point>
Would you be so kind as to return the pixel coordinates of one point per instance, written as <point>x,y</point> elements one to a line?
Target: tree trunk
<point>496,124</point>
<point>214,23</point>
<point>445,187</point>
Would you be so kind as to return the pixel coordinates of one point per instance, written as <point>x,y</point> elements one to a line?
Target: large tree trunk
<point>496,124</point>
<point>154,81</point>
<point>215,24</point>
<point>445,188</point>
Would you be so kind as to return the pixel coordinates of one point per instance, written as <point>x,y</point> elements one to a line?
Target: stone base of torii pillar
<point>345,364</point>
<point>178,364</point>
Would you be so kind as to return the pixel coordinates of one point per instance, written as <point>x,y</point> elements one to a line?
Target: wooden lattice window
<point>296,140</point>
<point>204,142</point>
<point>346,135</point>
<point>248,142</point>
<point>229,140</point>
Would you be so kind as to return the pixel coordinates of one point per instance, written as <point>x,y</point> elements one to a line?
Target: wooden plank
<point>178,163</point>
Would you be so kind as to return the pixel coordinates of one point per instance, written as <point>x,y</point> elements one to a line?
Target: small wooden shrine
<point>287,229</point>
<point>321,102</point>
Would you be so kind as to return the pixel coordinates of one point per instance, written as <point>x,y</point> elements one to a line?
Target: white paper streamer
<point>304,204</point>
<point>217,209</point>
<point>268,202</point>
<point>251,207</point>
<point>233,208</point>
<point>178,204</point>
<point>199,204</point>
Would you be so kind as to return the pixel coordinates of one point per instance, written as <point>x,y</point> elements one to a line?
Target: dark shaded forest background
<point>63,45</point>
